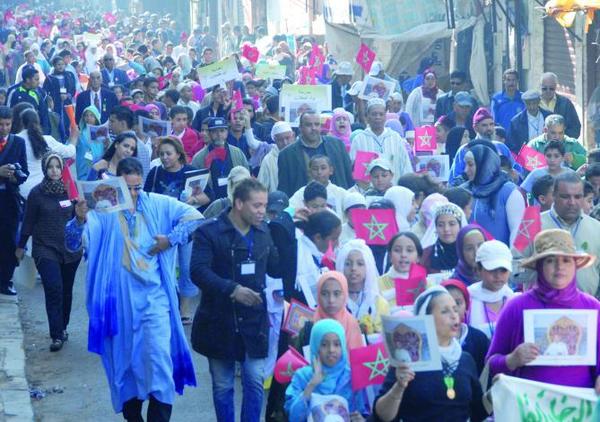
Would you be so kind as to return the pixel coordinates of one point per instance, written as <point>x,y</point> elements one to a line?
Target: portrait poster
<point>107,195</point>
<point>437,166</point>
<point>99,133</point>
<point>154,128</point>
<point>565,337</point>
<point>296,99</point>
<point>297,315</point>
<point>373,87</point>
<point>412,341</point>
<point>219,73</point>
<point>328,407</point>
<point>270,71</point>
<point>196,181</point>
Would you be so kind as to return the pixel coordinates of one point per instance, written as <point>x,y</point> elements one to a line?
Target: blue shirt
<point>505,108</point>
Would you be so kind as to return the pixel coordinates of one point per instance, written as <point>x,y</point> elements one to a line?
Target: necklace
<point>448,371</point>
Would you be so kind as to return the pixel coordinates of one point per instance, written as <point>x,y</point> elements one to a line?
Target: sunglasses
<point>547,88</point>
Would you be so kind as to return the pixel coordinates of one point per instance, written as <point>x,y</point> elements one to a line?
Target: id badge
<point>222,181</point>
<point>65,204</point>
<point>248,267</point>
<point>88,156</point>
<point>111,84</point>
<point>63,90</point>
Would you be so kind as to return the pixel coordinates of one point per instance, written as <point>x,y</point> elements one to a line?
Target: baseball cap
<point>463,98</point>
<point>217,123</point>
<point>494,254</point>
<point>344,68</point>
<point>380,162</point>
<point>277,202</point>
<point>352,200</point>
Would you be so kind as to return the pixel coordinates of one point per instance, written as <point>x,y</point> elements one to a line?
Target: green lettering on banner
<point>559,408</point>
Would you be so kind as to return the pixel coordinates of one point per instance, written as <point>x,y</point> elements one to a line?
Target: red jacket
<point>192,143</point>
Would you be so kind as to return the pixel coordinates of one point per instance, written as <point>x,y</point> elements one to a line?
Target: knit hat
<point>480,115</point>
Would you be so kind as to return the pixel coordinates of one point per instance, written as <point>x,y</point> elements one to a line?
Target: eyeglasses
<point>547,88</point>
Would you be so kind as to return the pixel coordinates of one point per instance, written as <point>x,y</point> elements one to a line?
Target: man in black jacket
<point>61,86</point>
<point>231,256</point>
<point>528,124</point>
<point>554,103</point>
<point>29,91</point>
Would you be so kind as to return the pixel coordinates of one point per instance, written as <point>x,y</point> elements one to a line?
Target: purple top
<point>509,334</point>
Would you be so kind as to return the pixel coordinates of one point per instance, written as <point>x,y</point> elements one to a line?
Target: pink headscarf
<point>345,137</point>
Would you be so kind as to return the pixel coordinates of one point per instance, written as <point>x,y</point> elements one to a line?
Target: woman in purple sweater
<point>556,262</point>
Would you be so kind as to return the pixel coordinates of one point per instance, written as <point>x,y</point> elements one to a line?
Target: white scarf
<point>451,353</point>
<point>478,317</point>
<point>477,291</point>
<point>306,264</point>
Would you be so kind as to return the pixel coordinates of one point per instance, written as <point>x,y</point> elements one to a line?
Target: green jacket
<point>571,145</point>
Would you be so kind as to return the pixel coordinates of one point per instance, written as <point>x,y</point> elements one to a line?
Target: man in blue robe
<point>135,324</point>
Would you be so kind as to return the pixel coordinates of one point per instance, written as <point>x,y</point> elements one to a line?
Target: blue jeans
<point>184,255</point>
<point>223,377</point>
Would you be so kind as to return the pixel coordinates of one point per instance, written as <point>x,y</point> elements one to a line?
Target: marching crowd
<point>509,224</point>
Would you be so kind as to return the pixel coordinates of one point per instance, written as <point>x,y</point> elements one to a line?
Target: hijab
<point>427,211</point>
<point>445,256</point>
<point>371,287</point>
<point>453,140</point>
<point>351,328</point>
<point>552,296</point>
<point>430,93</point>
<point>49,186</point>
<point>402,198</point>
<point>430,237</point>
<point>463,271</point>
<point>396,126</point>
<point>489,177</point>
<point>345,136</point>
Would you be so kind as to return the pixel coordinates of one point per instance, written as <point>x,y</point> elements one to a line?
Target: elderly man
<point>559,104</point>
<point>291,163</point>
<point>101,98</point>
<point>31,60</point>
<point>111,75</point>
<point>340,84</point>
<point>382,140</point>
<point>282,135</point>
<point>528,124</point>
<point>507,103</point>
<point>566,214</point>
<point>462,111</point>
<point>554,130</point>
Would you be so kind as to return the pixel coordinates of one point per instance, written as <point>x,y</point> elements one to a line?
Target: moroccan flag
<point>530,159</point>
<point>425,138</point>
<point>369,365</point>
<point>361,163</point>
<point>218,153</point>
<point>250,52</point>
<point>287,364</point>
<point>328,259</point>
<point>307,75</point>
<point>408,289</point>
<point>375,227</point>
<point>316,59</point>
<point>68,181</point>
<point>365,57</point>
<point>530,226</point>
<point>236,100</point>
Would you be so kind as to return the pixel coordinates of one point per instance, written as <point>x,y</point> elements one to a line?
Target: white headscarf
<point>430,236</point>
<point>371,288</point>
<point>402,198</point>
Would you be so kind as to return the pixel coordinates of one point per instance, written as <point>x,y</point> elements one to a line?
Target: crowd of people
<point>274,224</point>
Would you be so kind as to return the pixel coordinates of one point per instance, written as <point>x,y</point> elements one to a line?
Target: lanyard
<point>491,325</point>
<point>249,239</point>
<point>560,226</point>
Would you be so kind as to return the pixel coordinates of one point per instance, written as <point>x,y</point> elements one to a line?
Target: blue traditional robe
<point>132,303</point>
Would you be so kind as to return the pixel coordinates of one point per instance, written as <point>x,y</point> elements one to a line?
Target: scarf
<point>550,295</point>
<point>344,317</point>
<point>451,353</point>
<point>479,297</point>
<point>430,93</point>
<point>343,136</point>
<point>49,186</point>
<point>489,178</point>
<point>444,256</point>
<point>402,198</point>
<point>464,271</point>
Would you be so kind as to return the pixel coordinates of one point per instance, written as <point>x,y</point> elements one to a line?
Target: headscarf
<point>463,271</point>
<point>489,177</point>
<point>429,205</point>
<point>371,288</point>
<point>453,140</point>
<point>49,186</point>
<point>450,354</point>
<point>452,282</point>
<point>395,125</point>
<point>185,63</point>
<point>430,237</point>
<point>344,317</point>
<point>402,198</point>
<point>345,137</point>
<point>430,93</point>
<point>550,295</point>
<point>444,255</point>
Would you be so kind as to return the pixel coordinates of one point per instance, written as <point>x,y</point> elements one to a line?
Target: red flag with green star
<point>361,163</point>
<point>375,227</point>
<point>408,289</point>
<point>287,364</point>
<point>369,365</point>
<point>531,224</point>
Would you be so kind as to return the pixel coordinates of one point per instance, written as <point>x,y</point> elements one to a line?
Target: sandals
<point>56,345</point>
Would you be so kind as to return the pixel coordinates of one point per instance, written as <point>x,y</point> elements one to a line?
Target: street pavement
<point>73,381</point>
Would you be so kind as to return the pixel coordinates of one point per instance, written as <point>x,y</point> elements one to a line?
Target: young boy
<point>554,151</point>
<point>592,175</point>
<point>189,137</point>
<point>542,192</point>
<point>382,178</point>
<point>320,170</point>
<point>314,197</point>
<point>588,198</point>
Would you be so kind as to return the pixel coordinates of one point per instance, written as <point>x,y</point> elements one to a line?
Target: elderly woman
<point>498,206</point>
<point>556,262</point>
<point>451,394</point>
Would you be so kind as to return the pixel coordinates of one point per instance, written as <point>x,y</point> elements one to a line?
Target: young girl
<point>403,250</point>
<point>323,390</point>
<point>124,146</point>
<point>88,151</point>
<point>340,126</point>
<point>488,297</point>
<point>366,305</point>
<point>442,255</point>
<point>469,239</point>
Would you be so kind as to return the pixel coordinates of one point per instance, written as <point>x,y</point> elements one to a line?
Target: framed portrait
<point>154,128</point>
<point>98,133</point>
<point>330,407</point>
<point>437,166</point>
<point>297,315</point>
<point>565,337</point>
<point>376,88</point>
<point>413,341</point>
<point>196,181</point>
<point>107,195</point>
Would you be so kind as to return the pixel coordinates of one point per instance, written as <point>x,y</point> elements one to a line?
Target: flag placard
<point>360,171</point>
<point>369,365</point>
<point>530,159</point>
<point>375,227</point>
<point>365,57</point>
<point>408,289</point>
<point>287,364</point>
<point>531,225</point>
<point>425,139</point>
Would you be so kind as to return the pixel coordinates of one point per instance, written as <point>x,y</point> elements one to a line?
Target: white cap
<point>376,68</point>
<point>355,88</point>
<point>494,254</point>
<point>375,102</point>
<point>344,68</point>
<point>280,127</point>
<point>353,199</point>
<point>380,162</point>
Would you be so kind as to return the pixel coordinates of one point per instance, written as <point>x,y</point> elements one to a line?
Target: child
<point>542,192</point>
<point>588,198</point>
<point>321,170</point>
<point>382,177</point>
<point>326,381</point>
<point>592,175</point>
<point>489,296</point>
<point>88,151</point>
<point>554,151</point>
<point>351,201</point>
<point>189,137</point>
<point>314,197</point>
<point>403,250</point>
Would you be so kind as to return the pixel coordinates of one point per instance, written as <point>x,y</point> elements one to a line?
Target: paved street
<point>79,374</point>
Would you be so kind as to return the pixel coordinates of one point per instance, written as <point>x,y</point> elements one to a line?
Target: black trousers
<point>8,233</point>
<point>157,411</point>
<point>57,280</point>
